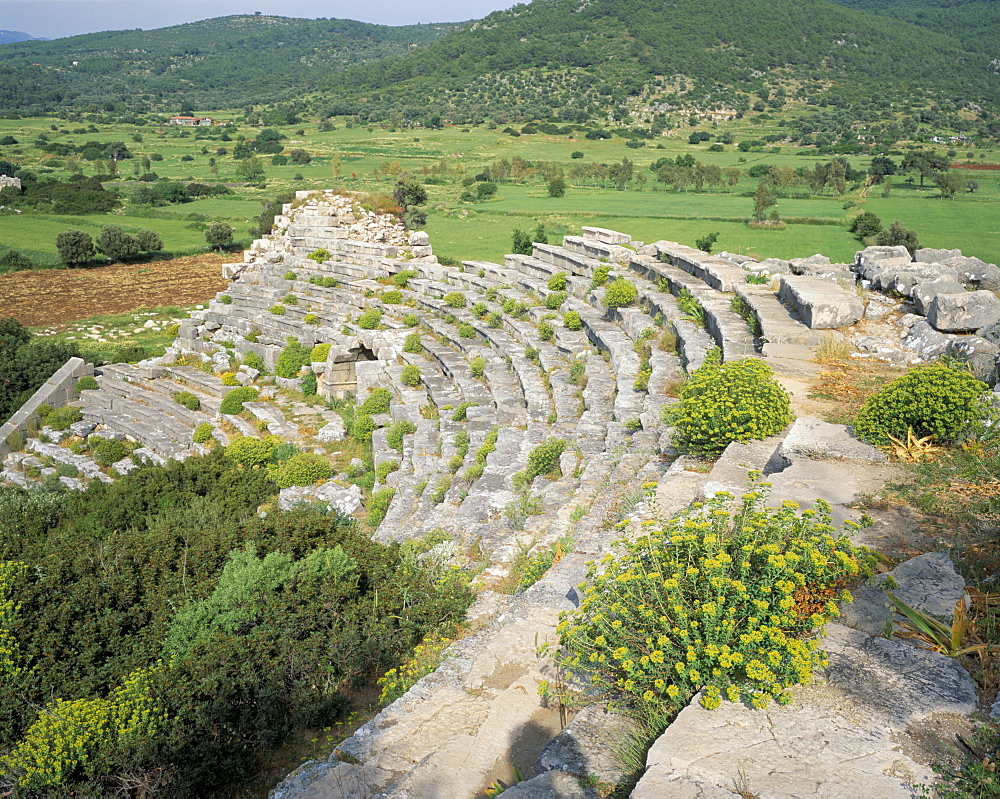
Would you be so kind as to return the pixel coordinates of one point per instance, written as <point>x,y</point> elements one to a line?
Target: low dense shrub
<point>254,361</point>
<point>477,366</point>
<point>293,357</point>
<point>494,319</point>
<point>233,401</point>
<point>600,276</point>
<point>555,300</point>
<point>188,400</point>
<point>310,384</point>
<point>398,429</point>
<point>311,319</point>
<point>378,505</point>
<point>545,331</point>
<point>225,299</point>
<point>378,401</point>
<point>572,321</point>
<point>202,433</point>
<point>543,459</point>
<point>461,412</point>
<point>725,402</point>
<point>935,400</point>
<point>455,299</point>
<point>278,310</point>
<point>620,294</point>
<point>229,379</point>
<point>302,469</point>
<point>249,451</point>
<point>172,331</point>
<point>62,418</point>
<point>290,299</point>
<point>362,428</point>
<point>385,468</point>
<point>725,601</point>
<point>392,297</point>
<point>410,376</point>
<point>370,319</point>
<point>558,282</point>
<point>86,383</point>
<point>402,278</point>
<point>319,353</point>
<point>109,451</point>
<point>465,330</point>
<point>320,255</point>
<point>411,320</point>
<point>290,275</point>
<point>480,309</point>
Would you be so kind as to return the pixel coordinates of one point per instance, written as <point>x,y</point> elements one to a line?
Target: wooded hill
<point>554,58</point>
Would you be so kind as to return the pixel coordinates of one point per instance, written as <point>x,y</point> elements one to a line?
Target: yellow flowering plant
<point>726,600</point>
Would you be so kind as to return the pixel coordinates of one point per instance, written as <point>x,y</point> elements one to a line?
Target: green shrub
<point>572,321</point>
<point>86,383</point>
<point>311,319</point>
<point>325,282</point>
<point>108,452</point>
<point>402,278</point>
<point>465,330</point>
<point>225,299</point>
<point>290,299</point>
<point>480,309</point>
<point>545,331</point>
<point>494,319</point>
<point>455,299</point>
<point>67,470</point>
<point>202,433</point>
<point>378,505</point>
<point>310,385</point>
<point>302,469</point>
<point>721,403</point>
<point>642,380</point>
<point>233,401</point>
<point>253,335</point>
<point>411,320</point>
<point>320,255</point>
<point>936,400</point>
<point>714,599</point>
<point>254,361</point>
<point>249,451</point>
<point>362,428</point>
<point>461,412</point>
<point>293,357</point>
<point>393,297</point>
<point>172,331</point>
<point>378,401</point>
<point>600,276</point>
<point>620,294</point>
<point>319,352</point>
<point>544,459</point>
<point>229,379</point>
<point>278,310</point>
<point>532,354</point>
<point>477,366</point>
<point>558,282</point>
<point>370,319</point>
<point>290,275</point>
<point>410,376</point>
<point>555,300</point>
<point>473,473</point>
<point>398,429</point>
<point>187,400</point>
<point>385,468</point>
<point>61,418</point>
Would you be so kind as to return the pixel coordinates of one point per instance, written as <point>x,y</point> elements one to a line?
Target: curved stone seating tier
<point>778,323</point>
<point>598,250</point>
<point>565,260</point>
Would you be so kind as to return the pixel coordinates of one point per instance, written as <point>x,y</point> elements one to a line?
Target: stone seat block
<point>819,303</point>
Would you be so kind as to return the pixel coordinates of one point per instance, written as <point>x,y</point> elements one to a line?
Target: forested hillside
<point>223,62</point>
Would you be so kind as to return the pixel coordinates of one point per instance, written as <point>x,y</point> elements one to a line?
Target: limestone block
<point>821,304</point>
<point>800,265</point>
<point>232,271</point>
<point>331,431</point>
<point>925,340</point>
<point>929,255</point>
<point>588,744</point>
<point>976,273</point>
<point>812,438</point>
<point>550,785</point>
<point>419,238</point>
<point>606,236</point>
<point>964,311</point>
<point>925,291</point>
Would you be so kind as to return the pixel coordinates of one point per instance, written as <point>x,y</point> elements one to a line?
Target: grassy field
<point>369,160</point>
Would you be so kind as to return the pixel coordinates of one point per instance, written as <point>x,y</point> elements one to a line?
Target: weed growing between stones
<point>714,600</point>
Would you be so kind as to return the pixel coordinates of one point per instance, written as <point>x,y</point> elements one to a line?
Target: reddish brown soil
<point>58,296</point>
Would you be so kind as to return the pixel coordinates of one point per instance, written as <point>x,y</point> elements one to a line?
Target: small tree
<point>219,236</point>
<point>896,234</point>
<point>950,183</point>
<point>149,240</point>
<point>14,261</point>
<point>557,187</point>
<point>251,170</point>
<point>115,243</point>
<point>865,225</point>
<point>520,242</point>
<point>74,246</point>
<point>409,194</point>
<point>763,199</point>
<point>705,243</point>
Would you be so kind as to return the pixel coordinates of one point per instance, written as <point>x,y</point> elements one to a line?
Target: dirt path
<point>58,296</point>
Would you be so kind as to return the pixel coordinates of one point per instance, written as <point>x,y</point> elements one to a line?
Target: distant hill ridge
<point>7,37</point>
<point>531,61</point>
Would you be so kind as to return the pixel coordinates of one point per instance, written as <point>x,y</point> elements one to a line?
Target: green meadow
<point>370,160</point>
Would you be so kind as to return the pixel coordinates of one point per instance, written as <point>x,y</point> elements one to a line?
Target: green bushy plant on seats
<point>572,320</point>
<point>109,451</point>
<point>378,505</point>
<point>558,281</point>
<point>543,459</point>
<point>319,352</point>
<point>249,451</point>
<point>620,293</point>
<point>392,297</point>
<point>292,358</point>
<point>302,469</point>
<point>370,319</point>
<point>202,433</point>
<point>410,376</point>
<point>455,299</point>
<point>936,400</point>
<point>726,402</point>
<point>188,400</point>
<point>377,401</point>
<point>718,599</point>
<point>233,401</point>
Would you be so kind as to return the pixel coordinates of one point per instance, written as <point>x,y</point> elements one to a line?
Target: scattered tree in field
<point>149,240</point>
<point>950,183</point>
<point>74,246</point>
<point>520,242</point>
<point>926,162</point>
<point>410,194</point>
<point>219,236</point>
<point>896,234</point>
<point>763,199</point>
<point>115,243</point>
<point>705,243</point>
<point>865,225</point>
<point>557,187</point>
<point>251,170</point>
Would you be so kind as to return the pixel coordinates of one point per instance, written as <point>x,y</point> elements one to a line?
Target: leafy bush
<point>202,433</point>
<point>477,366</point>
<point>290,275</point>
<point>600,276</point>
<point>555,300</point>
<point>302,469</point>
<point>461,412</point>
<point>187,400</point>
<point>378,401</point>
<point>319,256</point>
<point>426,657</point>
<point>572,321</point>
<point>319,353</point>
<point>385,468</point>
<point>172,331</point>
<point>410,376</point>
<point>558,281</point>
<point>545,331</point>
<point>543,459</point>
<point>936,400</point>
<point>311,319</point>
<point>292,358</point>
<point>62,418</point>
<point>290,299</point>
<point>620,294</point>
<point>724,601</point>
<point>86,383</point>
<point>393,297</point>
<point>378,505</point>
<point>411,320</point>
<point>398,429</point>
<point>310,385</point>
<point>402,278</point>
<point>233,401</point>
<point>254,361</point>
<point>455,299</point>
<point>278,309</point>
<point>721,403</point>
<point>370,319</point>
<point>67,470</point>
<point>249,451</point>
<point>108,451</point>
<point>494,319</point>
<point>362,428</point>
<point>480,309</point>
<point>465,330</point>
<point>229,379</point>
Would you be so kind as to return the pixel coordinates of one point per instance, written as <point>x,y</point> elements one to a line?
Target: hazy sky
<point>53,19</point>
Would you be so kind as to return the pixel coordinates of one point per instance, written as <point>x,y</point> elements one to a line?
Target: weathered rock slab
<point>964,311</point>
<point>588,745</point>
<point>812,438</point>
<point>821,304</point>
